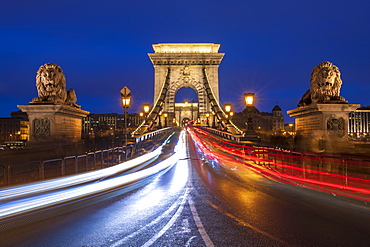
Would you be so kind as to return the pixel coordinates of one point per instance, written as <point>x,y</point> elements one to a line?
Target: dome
<point>276,108</point>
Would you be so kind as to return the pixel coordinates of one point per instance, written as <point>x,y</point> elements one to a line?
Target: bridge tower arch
<point>187,62</point>
<point>178,65</point>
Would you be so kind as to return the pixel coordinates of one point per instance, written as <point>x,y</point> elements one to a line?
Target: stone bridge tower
<point>186,62</point>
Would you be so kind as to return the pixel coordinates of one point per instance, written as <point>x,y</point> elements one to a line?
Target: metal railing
<point>346,170</point>
<point>25,172</point>
<point>339,171</point>
<point>226,135</point>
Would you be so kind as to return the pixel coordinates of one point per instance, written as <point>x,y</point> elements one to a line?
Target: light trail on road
<point>41,187</point>
<point>206,198</point>
<point>220,151</point>
<point>36,202</point>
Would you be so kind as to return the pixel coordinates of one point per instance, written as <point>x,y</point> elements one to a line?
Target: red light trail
<point>317,173</point>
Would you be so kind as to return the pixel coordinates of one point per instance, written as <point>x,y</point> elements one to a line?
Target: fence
<point>26,172</point>
<point>344,170</point>
<point>18,173</point>
<point>338,171</point>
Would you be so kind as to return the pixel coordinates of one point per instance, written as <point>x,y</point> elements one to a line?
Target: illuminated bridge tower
<point>178,65</point>
<point>186,63</point>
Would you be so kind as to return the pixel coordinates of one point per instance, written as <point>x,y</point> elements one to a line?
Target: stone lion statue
<point>51,86</point>
<point>325,85</point>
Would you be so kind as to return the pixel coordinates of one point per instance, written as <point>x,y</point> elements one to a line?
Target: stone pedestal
<point>322,127</point>
<point>54,123</point>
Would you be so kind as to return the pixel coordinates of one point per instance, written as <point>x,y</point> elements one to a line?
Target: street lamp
<point>291,128</point>
<point>228,108</point>
<point>165,119</point>
<point>207,116</point>
<point>249,102</point>
<point>146,108</point>
<point>159,119</point>
<point>249,99</point>
<point>214,120</point>
<point>126,103</point>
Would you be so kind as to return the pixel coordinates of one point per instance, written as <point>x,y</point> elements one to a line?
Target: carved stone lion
<point>325,85</point>
<point>51,86</point>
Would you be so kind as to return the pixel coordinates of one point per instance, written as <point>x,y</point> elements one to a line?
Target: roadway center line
<point>170,223</point>
<point>207,240</point>
<point>167,212</point>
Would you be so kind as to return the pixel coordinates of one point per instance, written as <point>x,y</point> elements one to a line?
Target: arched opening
<point>186,94</point>
<point>185,121</point>
<point>186,105</point>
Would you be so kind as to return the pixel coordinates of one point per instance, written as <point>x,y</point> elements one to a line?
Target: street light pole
<point>146,109</point>
<point>214,120</point>
<point>126,103</point>
<point>228,109</point>
<point>207,116</point>
<point>165,119</point>
<point>159,119</point>
<point>249,102</point>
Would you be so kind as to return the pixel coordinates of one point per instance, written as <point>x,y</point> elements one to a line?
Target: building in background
<point>15,128</point>
<point>99,125</point>
<point>264,122</point>
<point>359,124</point>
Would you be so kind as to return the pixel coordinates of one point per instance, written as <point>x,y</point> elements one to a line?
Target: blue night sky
<point>271,47</point>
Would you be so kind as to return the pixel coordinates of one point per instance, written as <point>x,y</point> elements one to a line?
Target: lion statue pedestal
<point>322,127</point>
<point>54,115</point>
<point>321,118</point>
<point>54,123</point>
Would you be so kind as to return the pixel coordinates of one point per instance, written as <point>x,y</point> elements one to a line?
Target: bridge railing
<point>345,170</point>
<point>25,172</point>
<point>224,134</point>
<point>350,168</point>
<point>340,174</point>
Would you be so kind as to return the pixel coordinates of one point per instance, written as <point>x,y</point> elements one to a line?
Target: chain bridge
<point>179,65</point>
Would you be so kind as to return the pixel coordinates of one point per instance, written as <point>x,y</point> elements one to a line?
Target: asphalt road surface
<point>200,203</point>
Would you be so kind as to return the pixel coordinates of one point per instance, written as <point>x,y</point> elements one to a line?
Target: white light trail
<point>32,203</point>
<point>40,187</point>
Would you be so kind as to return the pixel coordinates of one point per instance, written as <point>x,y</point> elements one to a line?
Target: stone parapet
<point>322,127</point>
<point>54,123</point>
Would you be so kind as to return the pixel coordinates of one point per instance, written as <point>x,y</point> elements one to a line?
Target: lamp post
<point>146,109</point>
<point>165,119</point>
<point>291,129</point>
<point>207,116</point>
<point>228,108</point>
<point>214,120</point>
<point>159,119</point>
<point>249,102</point>
<point>126,103</point>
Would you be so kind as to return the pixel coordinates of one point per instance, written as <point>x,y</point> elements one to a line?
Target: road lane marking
<point>243,223</point>
<point>238,220</point>
<point>170,223</point>
<point>162,216</point>
<point>207,240</point>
